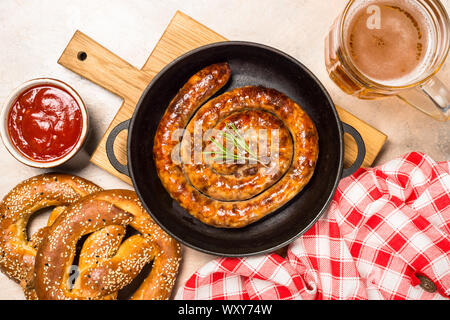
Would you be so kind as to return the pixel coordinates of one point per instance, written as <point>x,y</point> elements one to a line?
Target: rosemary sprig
<point>232,134</point>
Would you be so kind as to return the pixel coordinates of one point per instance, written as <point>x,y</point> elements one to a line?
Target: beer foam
<point>424,21</point>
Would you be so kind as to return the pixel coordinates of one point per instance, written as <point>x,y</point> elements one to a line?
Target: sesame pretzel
<point>17,253</point>
<point>106,263</point>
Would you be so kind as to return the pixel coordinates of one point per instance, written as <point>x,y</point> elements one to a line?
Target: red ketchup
<point>45,123</point>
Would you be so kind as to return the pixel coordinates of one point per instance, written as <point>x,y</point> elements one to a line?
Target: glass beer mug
<point>379,48</point>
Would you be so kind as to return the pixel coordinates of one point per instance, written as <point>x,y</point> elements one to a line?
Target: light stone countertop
<point>34,33</point>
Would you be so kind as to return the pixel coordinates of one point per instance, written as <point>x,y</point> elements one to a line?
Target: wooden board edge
<point>375,144</point>
<point>184,15</point>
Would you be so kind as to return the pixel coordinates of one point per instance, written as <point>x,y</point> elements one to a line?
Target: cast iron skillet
<point>251,64</point>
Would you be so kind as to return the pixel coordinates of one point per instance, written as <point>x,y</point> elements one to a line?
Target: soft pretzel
<point>106,263</point>
<point>233,195</point>
<point>17,253</point>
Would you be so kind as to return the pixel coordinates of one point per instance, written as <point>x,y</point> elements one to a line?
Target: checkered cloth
<point>386,227</point>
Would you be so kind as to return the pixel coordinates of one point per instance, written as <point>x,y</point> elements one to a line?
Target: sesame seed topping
<point>108,261</point>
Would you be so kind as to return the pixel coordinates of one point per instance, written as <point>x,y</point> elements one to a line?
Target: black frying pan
<point>251,64</point>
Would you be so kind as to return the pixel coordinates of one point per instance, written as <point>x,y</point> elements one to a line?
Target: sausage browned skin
<point>233,213</point>
<point>199,88</point>
<point>239,180</point>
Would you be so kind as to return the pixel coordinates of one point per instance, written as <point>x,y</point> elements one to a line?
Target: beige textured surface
<point>34,33</point>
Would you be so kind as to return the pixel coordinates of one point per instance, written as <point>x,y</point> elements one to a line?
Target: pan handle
<point>361,150</point>
<point>110,147</point>
<point>124,168</point>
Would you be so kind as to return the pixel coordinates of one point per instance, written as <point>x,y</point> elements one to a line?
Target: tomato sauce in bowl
<point>45,123</point>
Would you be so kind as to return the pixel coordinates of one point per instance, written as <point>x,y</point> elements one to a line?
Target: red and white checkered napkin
<point>385,226</point>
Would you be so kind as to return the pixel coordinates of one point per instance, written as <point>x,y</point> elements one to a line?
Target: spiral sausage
<point>233,195</point>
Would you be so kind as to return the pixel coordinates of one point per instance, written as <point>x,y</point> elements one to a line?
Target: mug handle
<point>361,150</point>
<point>110,147</point>
<point>431,97</point>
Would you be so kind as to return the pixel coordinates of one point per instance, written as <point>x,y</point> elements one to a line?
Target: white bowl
<point>4,123</point>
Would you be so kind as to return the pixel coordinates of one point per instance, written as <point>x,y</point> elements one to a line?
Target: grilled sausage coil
<point>233,195</point>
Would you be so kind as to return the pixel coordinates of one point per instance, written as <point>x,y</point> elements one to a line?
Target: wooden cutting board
<point>89,59</point>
